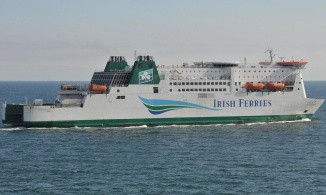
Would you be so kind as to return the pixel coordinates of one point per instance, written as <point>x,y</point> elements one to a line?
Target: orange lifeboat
<point>254,86</point>
<point>293,63</point>
<point>94,87</point>
<point>264,63</point>
<point>288,83</point>
<point>68,87</point>
<point>278,86</point>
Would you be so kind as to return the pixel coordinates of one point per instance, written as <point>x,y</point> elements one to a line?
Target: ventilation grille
<point>111,78</point>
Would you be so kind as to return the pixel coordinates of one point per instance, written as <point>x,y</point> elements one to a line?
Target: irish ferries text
<point>242,103</point>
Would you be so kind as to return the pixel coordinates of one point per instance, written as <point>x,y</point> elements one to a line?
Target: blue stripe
<point>159,102</point>
<point>159,112</point>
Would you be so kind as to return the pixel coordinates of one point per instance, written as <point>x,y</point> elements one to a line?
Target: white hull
<point>182,94</point>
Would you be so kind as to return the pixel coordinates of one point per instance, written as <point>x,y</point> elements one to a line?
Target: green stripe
<point>165,107</point>
<point>163,121</point>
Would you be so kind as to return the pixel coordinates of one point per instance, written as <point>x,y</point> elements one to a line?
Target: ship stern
<point>13,114</point>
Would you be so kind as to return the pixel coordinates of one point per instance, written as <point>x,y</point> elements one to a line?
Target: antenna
<point>271,55</point>
<point>281,59</point>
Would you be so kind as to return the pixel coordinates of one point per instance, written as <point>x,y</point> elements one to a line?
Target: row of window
<point>211,77</point>
<point>200,89</point>
<point>262,77</point>
<point>228,71</point>
<point>203,71</point>
<point>260,71</point>
<point>200,83</point>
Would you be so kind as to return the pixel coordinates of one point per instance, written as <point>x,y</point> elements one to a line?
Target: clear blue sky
<point>68,40</point>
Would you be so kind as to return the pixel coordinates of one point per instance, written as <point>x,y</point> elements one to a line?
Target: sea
<point>286,157</point>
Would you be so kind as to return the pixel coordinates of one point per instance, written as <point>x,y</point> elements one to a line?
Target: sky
<point>67,40</point>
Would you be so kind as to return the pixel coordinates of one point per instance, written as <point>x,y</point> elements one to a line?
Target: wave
<point>10,128</point>
<point>136,127</point>
<point>278,122</point>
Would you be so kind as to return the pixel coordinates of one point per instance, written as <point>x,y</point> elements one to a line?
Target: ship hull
<point>103,110</point>
<point>214,93</point>
<point>164,121</point>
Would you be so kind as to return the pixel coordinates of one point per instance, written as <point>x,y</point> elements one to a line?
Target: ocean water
<point>261,158</point>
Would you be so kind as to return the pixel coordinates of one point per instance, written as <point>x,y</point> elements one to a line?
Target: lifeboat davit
<point>254,86</point>
<point>94,87</point>
<point>278,86</point>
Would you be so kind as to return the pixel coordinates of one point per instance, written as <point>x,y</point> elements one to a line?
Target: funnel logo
<point>145,76</point>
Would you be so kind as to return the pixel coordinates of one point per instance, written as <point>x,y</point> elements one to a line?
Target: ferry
<point>192,94</point>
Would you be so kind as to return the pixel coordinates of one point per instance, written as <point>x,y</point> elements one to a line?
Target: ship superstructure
<point>150,94</point>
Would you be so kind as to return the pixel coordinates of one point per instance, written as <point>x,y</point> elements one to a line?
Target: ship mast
<point>271,55</point>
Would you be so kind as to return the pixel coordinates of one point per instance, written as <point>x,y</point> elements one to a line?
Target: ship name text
<point>242,103</point>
